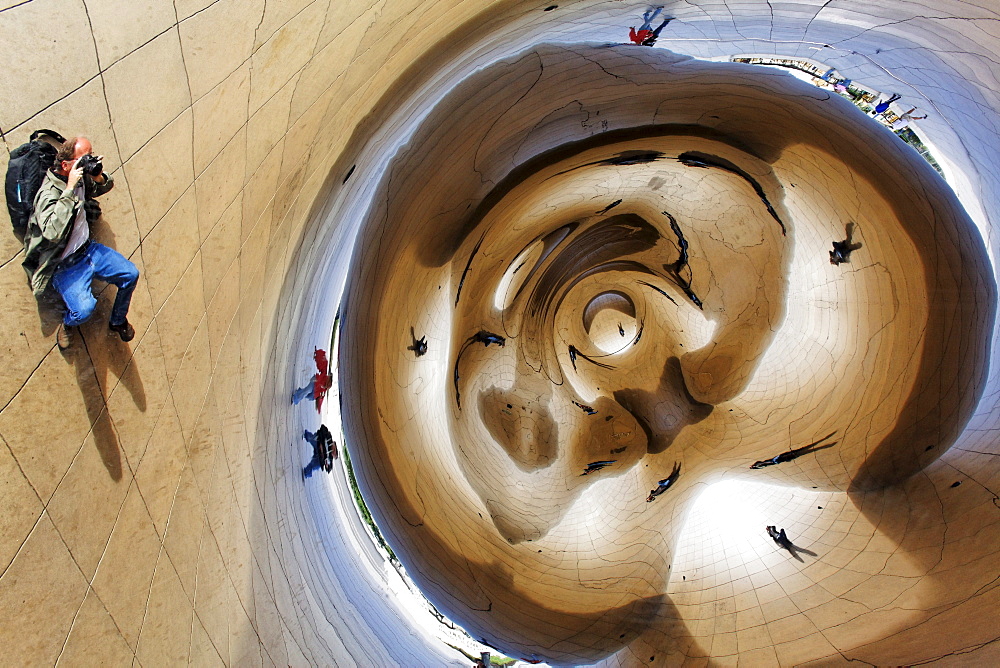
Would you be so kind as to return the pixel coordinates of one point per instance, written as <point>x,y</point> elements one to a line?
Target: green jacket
<point>50,225</point>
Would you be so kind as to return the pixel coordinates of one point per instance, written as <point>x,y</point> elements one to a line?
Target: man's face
<point>83,147</point>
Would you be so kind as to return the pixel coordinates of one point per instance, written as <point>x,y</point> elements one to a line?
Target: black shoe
<point>124,330</point>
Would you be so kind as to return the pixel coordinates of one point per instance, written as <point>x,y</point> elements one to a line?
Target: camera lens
<point>91,165</point>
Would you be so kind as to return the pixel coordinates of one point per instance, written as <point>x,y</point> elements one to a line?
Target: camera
<point>90,164</point>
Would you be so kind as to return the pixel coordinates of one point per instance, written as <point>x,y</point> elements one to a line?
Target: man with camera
<point>58,247</point>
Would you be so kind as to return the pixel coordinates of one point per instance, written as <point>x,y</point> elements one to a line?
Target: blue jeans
<point>314,463</point>
<point>648,18</point>
<point>304,392</point>
<point>73,277</point>
<point>311,468</point>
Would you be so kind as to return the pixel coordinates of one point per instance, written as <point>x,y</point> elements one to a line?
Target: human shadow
<point>794,550</point>
<point>781,539</point>
<point>101,426</point>
<point>842,249</point>
<point>112,359</point>
<point>96,358</point>
<point>109,354</point>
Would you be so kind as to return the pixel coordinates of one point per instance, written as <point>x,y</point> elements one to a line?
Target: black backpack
<point>25,173</point>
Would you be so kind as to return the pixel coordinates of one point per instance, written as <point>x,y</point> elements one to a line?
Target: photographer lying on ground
<point>57,244</point>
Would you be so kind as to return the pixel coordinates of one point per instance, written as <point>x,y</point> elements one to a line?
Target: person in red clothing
<point>645,35</point>
<point>319,384</point>
<point>651,40</point>
<point>638,36</point>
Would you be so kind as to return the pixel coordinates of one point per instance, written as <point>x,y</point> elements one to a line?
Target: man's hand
<point>75,174</point>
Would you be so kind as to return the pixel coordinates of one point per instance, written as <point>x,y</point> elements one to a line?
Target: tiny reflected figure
<point>883,107</point>
<point>842,249</point>
<point>585,408</point>
<point>597,466</point>
<point>789,455</point>
<point>487,338</point>
<point>908,115</point>
<point>574,352</point>
<point>646,35</point>
<point>665,484</point>
<point>319,384</point>
<point>324,450</point>
<point>690,162</point>
<point>419,346</point>
<point>905,118</point>
<point>780,539</point>
<point>483,337</point>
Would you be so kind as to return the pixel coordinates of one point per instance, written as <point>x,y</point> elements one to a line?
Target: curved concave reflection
<point>510,465</point>
<point>615,328</point>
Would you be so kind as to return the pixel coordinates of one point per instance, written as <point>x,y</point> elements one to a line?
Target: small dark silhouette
<point>597,466</point>
<point>626,158</point>
<point>483,337</point>
<point>621,330</point>
<point>585,408</point>
<point>574,352</point>
<point>324,450</point>
<point>674,270</point>
<point>780,538</point>
<point>486,338</point>
<point>842,249</point>
<point>840,253</point>
<point>883,106</point>
<point>419,346</point>
<point>665,484</point>
<point>789,455</point>
<point>650,285</point>
<point>692,161</point>
<point>609,207</point>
